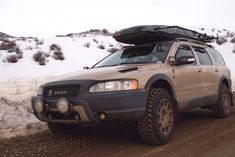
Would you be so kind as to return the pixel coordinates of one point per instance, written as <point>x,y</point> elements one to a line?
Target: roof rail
<point>192,41</point>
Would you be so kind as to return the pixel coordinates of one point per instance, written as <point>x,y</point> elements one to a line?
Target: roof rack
<point>156,33</point>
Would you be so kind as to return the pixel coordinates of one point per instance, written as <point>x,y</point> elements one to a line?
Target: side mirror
<point>185,60</point>
<point>85,68</point>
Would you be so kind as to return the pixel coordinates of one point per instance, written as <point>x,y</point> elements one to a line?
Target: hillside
<point>77,50</point>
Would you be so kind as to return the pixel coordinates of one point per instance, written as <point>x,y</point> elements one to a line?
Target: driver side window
<point>184,51</point>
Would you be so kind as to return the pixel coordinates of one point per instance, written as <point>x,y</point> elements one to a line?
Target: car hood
<point>108,73</point>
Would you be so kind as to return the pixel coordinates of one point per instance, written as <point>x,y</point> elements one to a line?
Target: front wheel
<point>158,123</point>
<point>223,106</point>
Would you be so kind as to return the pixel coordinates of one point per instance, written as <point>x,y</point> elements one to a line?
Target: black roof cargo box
<point>155,33</point>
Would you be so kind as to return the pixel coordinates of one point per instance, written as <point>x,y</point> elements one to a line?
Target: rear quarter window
<point>216,56</point>
<point>203,56</point>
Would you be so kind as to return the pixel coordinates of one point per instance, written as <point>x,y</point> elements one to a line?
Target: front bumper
<point>120,106</point>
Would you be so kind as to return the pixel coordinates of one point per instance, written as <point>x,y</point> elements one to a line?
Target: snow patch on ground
<point>15,101</point>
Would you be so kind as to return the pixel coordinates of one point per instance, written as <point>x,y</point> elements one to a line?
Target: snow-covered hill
<point>79,50</point>
<point>19,80</point>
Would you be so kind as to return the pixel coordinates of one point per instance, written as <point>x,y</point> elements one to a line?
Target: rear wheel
<point>223,106</point>
<point>60,128</point>
<point>158,123</point>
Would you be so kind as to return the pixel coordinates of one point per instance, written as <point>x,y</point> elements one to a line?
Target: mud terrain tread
<point>146,126</point>
<point>218,106</point>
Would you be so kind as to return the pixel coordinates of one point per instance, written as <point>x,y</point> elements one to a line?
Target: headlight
<point>39,92</point>
<point>38,105</point>
<point>115,86</point>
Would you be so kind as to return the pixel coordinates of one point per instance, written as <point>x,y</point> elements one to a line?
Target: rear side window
<point>184,51</point>
<point>203,56</point>
<point>216,56</point>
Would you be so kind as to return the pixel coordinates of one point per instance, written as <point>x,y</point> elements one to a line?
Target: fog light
<point>38,105</point>
<point>102,116</point>
<point>63,105</point>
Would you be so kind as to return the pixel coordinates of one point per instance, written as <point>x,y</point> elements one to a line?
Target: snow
<point>19,81</point>
<point>76,57</point>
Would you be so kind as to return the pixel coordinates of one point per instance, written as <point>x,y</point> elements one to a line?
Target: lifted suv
<point>167,70</point>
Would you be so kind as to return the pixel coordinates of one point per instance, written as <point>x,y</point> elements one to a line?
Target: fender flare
<point>158,77</point>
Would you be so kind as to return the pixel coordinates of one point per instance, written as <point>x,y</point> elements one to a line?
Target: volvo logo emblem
<point>57,92</point>
<point>62,92</point>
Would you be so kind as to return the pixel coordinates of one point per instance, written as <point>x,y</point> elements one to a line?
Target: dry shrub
<point>40,57</point>
<point>232,40</point>
<point>7,45</point>
<point>87,45</point>
<point>29,48</point>
<point>57,52</point>
<point>58,55</point>
<point>202,29</point>
<point>113,50</point>
<point>12,58</point>
<point>55,47</point>
<point>102,47</point>
<point>19,52</point>
<point>221,40</point>
<point>38,41</point>
<point>95,41</point>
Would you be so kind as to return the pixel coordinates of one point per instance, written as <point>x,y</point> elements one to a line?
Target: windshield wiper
<point>134,63</point>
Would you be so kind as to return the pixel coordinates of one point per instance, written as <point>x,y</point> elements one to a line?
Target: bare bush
<point>29,48</point>
<point>202,29</point>
<point>95,41</point>
<point>18,52</point>
<point>213,30</point>
<point>111,45</point>
<point>7,45</point>
<point>55,47</point>
<point>38,41</point>
<point>58,55</point>
<point>87,45</point>
<point>12,58</point>
<point>221,40</point>
<point>232,40</point>
<point>113,50</point>
<point>40,57</point>
<point>102,47</point>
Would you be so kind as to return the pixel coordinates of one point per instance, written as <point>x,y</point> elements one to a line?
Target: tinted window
<point>184,51</point>
<point>216,56</point>
<point>203,56</point>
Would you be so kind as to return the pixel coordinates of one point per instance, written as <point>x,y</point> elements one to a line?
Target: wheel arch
<point>228,83</point>
<point>163,81</point>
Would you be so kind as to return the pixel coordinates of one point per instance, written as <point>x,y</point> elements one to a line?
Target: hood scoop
<point>128,70</point>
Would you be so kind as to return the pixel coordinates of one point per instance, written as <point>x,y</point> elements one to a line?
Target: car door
<point>188,80</point>
<point>210,75</point>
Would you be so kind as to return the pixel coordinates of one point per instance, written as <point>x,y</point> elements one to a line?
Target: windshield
<point>138,54</point>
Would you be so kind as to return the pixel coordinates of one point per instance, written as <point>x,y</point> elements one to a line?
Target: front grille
<point>61,91</point>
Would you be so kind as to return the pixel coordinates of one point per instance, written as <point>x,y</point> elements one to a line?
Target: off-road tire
<point>59,128</point>
<point>222,108</point>
<point>149,126</point>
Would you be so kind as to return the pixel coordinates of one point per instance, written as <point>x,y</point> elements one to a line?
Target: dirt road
<point>198,134</point>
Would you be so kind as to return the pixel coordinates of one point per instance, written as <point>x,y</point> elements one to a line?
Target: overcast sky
<point>50,17</point>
